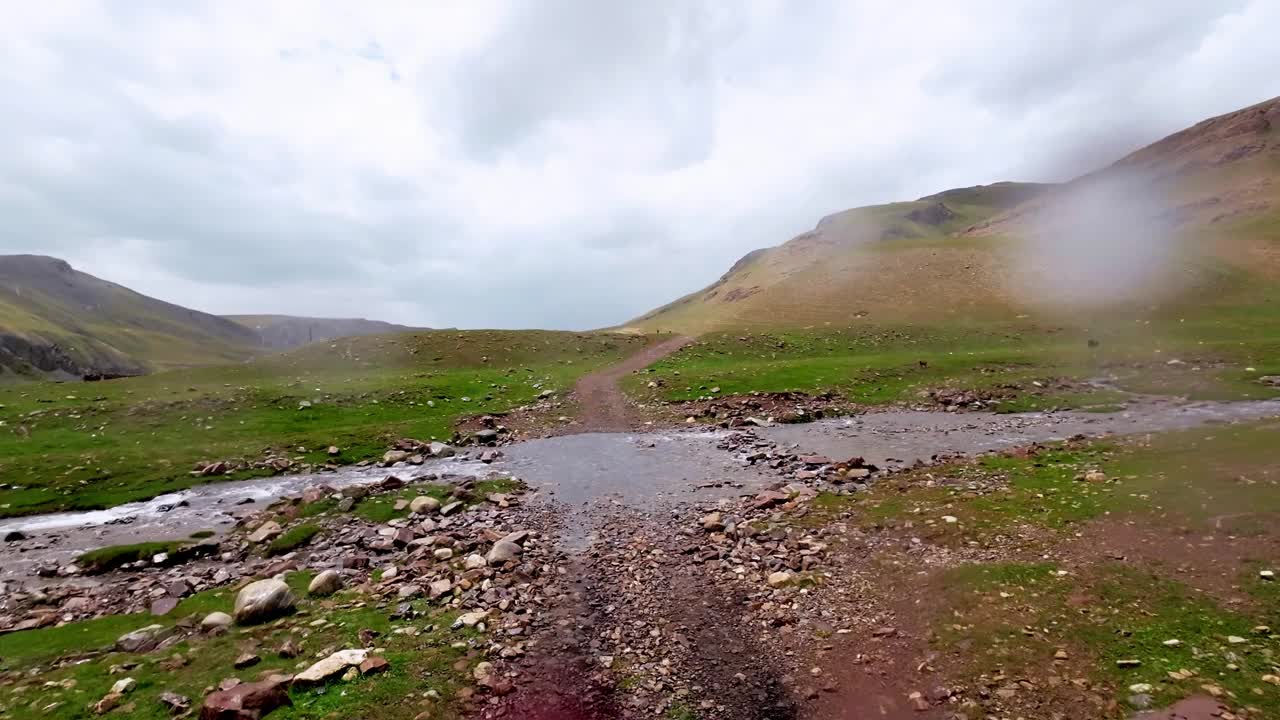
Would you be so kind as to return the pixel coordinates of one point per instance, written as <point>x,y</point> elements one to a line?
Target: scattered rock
<point>423,505</point>
<point>245,701</point>
<point>215,621</point>
<point>263,600</point>
<point>266,531</point>
<point>143,639</point>
<point>326,583</point>
<point>331,667</point>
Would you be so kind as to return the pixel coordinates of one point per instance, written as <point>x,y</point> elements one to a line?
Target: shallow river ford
<point>639,469</point>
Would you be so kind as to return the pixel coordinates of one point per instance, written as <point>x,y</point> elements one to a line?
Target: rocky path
<point>602,405</point>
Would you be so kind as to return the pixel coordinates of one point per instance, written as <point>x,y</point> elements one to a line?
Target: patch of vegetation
<point>423,660</point>
<point>92,446</point>
<point>501,486</point>
<point>1024,618</point>
<point>293,538</point>
<point>381,508</point>
<point>113,556</point>
<point>202,534</point>
<point>1025,365</point>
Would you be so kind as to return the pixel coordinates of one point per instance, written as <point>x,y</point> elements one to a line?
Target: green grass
<point>381,508</point>
<point>1017,616</point>
<point>96,445</point>
<point>421,662</point>
<point>293,538</point>
<point>880,364</point>
<point>113,556</point>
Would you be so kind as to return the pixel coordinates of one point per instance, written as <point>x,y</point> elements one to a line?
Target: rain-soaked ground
<point>636,469</point>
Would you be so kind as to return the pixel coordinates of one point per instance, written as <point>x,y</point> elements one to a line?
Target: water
<point>640,470</point>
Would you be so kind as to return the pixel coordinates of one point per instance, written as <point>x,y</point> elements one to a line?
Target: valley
<point>865,474</point>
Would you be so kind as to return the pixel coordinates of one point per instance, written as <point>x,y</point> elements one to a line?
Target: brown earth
<point>602,406</point>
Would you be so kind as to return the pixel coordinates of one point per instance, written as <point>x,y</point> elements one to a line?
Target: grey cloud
<point>567,61</point>
<point>580,162</point>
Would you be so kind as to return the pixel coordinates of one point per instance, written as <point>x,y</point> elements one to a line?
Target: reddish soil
<point>1212,562</point>
<point>602,405</point>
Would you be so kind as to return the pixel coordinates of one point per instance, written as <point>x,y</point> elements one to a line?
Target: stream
<point>644,470</point>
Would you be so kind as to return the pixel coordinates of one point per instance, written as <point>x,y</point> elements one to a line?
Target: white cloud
<point>564,163</point>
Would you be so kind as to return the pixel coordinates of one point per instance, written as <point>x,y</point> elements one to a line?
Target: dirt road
<point>602,405</point>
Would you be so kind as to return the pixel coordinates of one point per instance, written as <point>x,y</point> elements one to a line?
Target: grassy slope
<point>874,264</point>
<point>107,326</point>
<point>871,364</point>
<point>95,445</point>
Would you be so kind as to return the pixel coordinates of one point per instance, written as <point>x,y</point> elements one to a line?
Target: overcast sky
<point>554,163</point>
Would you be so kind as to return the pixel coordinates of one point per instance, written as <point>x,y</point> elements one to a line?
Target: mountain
<point>287,331</point>
<point>1196,208</point>
<point>55,320</point>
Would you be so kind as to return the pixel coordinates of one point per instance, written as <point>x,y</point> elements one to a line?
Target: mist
<point>1107,241</point>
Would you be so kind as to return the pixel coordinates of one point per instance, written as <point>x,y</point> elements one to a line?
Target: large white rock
<point>263,600</point>
<point>215,620</point>
<point>331,666</point>
<point>326,583</point>
<point>424,504</point>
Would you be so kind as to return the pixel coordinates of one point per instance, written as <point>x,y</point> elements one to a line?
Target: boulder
<point>502,551</point>
<point>263,600</point>
<point>326,583</point>
<point>424,504</point>
<point>391,457</point>
<point>486,436</point>
<point>245,701</point>
<point>215,620</point>
<point>164,605</point>
<point>143,639</point>
<point>330,667</point>
<point>265,531</point>
<point>439,449</point>
<point>14,536</point>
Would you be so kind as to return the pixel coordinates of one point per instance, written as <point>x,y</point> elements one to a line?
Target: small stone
<point>374,664</point>
<point>1236,640</point>
<point>265,531</point>
<point>950,519</point>
<point>1267,574</point>
<point>246,660</point>
<point>174,702</point>
<point>1095,476</point>
<point>1128,663</point>
<point>451,508</point>
<point>1172,642</point>
<point>438,588</point>
<point>779,579</point>
<point>442,553</point>
<point>124,685</point>
<point>1140,688</point>
<point>474,562</point>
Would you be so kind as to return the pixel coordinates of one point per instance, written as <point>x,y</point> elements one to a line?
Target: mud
<point>602,405</point>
